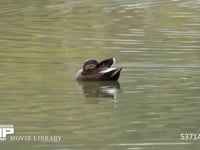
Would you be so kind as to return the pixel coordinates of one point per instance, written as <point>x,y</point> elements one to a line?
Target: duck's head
<point>94,70</point>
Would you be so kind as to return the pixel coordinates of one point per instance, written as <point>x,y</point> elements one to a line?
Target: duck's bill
<point>107,62</point>
<point>110,74</point>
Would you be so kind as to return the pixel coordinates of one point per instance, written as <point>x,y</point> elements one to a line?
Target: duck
<point>93,70</point>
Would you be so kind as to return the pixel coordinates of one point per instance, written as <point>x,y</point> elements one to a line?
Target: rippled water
<point>44,43</point>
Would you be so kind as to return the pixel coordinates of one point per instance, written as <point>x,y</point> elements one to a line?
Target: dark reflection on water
<point>157,42</point>
<point>107,89</point>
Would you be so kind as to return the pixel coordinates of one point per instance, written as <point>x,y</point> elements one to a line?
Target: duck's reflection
<point>107,89</point>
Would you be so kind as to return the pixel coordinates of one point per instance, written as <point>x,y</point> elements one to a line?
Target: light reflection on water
<point>108,89</point>
<point>44,43</point>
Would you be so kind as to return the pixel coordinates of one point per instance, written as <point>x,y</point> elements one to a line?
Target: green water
<point>44,43</point>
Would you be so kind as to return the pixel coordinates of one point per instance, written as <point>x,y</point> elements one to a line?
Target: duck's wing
<point>110,74</point>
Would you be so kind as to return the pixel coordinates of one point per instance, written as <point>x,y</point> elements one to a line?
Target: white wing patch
<point>108,70</point>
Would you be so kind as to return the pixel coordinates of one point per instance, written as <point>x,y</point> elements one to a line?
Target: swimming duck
<point>93,70</point>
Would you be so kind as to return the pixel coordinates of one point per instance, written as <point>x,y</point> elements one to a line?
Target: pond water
<point>44,43</point>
